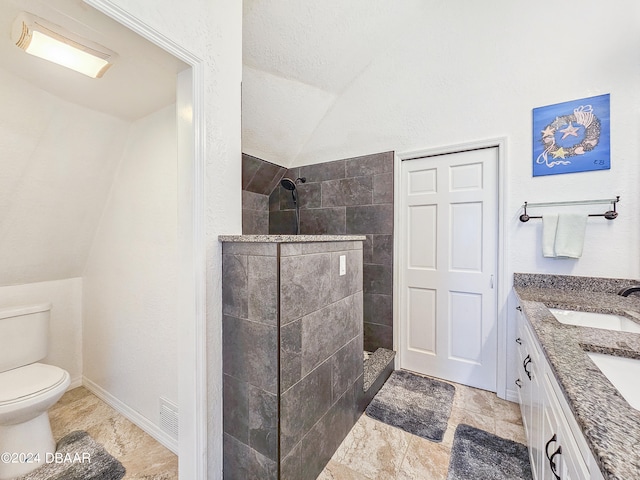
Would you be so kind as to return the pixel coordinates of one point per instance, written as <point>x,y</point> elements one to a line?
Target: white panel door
<point>448,264</point>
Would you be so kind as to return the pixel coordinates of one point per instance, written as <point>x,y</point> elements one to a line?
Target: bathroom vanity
<point>292,352</point>
<point>578,424</point>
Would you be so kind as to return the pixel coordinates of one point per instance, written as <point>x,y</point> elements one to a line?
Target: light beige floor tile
<point>337,471</point>
<point>507,411</point>
<point>511,431</point>
<point>142,456</point>
<point>425,460</point>
<point>373,449</point>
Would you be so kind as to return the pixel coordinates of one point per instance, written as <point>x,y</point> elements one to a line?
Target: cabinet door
<point>563,452</point>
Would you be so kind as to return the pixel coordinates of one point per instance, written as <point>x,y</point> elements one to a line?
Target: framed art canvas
<point>572,136</point>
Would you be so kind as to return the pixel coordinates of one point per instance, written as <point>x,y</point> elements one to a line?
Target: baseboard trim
<point>141,421</point>
<point>75,383</point>
<point>512,396</point>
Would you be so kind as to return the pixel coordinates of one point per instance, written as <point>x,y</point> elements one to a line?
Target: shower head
<point>288,184</point>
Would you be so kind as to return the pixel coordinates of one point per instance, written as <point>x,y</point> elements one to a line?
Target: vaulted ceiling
<point>300,58</point>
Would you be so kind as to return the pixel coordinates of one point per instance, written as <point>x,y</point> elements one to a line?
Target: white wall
<point>57,161</point>
<point>466,71</point>
<point>129,299</point>
<point>212,31</point>
<point>65,326</point>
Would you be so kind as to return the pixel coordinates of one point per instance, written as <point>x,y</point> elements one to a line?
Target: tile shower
<point>349,196</point>
<point>292,353</point>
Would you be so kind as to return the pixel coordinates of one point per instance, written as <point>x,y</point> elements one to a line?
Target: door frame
<point>502,281</point>
<point>190,122</point>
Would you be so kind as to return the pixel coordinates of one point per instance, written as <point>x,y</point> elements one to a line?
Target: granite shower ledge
<point>610,425</point>
<point>289,238</point>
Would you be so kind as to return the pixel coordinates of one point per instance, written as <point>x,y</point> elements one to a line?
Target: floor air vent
<point>169,417</point>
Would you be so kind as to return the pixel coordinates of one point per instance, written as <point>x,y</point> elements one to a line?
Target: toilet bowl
<point>27,390</point>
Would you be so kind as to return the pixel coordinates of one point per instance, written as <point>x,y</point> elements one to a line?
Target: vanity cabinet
<point>557,447</point>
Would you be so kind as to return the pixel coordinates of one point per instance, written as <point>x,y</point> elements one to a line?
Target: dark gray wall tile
<point>367,249</point>
<point>322,441</point>
<point>234,286</point>
<point>382,250</point>
<point>236,408</point>
<point>255,222</point>
<point>249,352</point>
<point>347,191</point>
<point>349,283</point>
<point>263,289</point>
<point>323,221</point>
<point>369,164</point>
<point>266,178</point>
<point>291,466</point>
<point>302,405</point>
<point>282,223</point>
<point>378,309</point>
<point>305,285</point>
<point>378,279</point>
<point>308,195</point>
<point>377,336</point>
<point>376,219</point>
<point>347,367</point>
<point>263,422</point>
<point>323,171</point>
<point>255,201</point>
<point>290,354</point>
<point>383,188</point>
<point>250,248</point>
<point>240,462</point>
<point>250,166</point>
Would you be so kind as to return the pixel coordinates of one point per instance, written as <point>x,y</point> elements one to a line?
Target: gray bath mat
<point>416,404</point>
<point>78,457</point>
<point>479,454</point>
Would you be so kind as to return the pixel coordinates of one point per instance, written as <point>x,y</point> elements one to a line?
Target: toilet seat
<point>23,383</point>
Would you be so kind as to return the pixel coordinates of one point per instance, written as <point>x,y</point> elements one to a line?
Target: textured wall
<point>351,196</point>
<point>212,32</point>
<point>309,337</point>
<point>57,162</point>
<point>130,317</point>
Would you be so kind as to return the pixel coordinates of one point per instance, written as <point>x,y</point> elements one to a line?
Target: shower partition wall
<point>292,352</point>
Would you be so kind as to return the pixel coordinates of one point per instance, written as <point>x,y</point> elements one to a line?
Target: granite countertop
<point>610,425</point>
<point>290,238</point>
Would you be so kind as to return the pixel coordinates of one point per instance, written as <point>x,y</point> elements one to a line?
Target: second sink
<point>605,321</point>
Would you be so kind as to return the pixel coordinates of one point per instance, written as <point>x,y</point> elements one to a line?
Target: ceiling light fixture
<point>49,41</point>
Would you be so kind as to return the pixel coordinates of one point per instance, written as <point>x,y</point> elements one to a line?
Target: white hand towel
<point>570,234</point>
<point>549,227</point>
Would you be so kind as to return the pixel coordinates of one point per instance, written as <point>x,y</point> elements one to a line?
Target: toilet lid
<point>28,380</point>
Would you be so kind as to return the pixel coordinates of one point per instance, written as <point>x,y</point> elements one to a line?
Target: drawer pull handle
<point>519,341</point>
<point>519,383</point>
<point>525,364</point>
<point>551,457</point>
<point>519,308</point>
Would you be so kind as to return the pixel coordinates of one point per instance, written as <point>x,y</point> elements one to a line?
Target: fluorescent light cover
<point>51,42</point>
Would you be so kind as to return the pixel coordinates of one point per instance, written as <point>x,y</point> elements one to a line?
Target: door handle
<point>525,364</point>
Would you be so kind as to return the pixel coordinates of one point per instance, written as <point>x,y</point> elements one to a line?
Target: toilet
<point>27,389</point>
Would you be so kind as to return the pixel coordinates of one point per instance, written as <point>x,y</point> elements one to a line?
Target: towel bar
<point>609,214</point>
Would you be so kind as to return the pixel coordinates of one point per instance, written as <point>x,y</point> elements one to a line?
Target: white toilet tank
<point>24,335</point>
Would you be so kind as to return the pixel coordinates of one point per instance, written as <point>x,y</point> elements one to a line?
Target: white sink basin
<point>623,373</point>
<point>596,320</point>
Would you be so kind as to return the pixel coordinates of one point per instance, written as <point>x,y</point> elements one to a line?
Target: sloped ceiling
<point>62,137</point>
<point>300,57</point>
<point>141,80</point>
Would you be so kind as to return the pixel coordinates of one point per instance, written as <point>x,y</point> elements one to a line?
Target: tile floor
<point>376,451</point>
<point>371,451</point>
<point>142,456</point>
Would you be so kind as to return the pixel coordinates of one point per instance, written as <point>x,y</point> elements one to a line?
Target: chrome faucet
<point>626,291</point>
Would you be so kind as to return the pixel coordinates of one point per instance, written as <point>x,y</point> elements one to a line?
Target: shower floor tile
<point>374,450</point>
<point>141,454</point>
